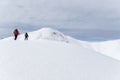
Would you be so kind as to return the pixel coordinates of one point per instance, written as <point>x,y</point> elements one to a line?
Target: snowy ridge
<point>47,56</point>
<point>44,33</point>
<point>51,34</point>
<point>109,48</point>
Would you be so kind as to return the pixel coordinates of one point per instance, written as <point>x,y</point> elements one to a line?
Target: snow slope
<point>50,57</point>
<point>44,33</point>
<point>109,48</point>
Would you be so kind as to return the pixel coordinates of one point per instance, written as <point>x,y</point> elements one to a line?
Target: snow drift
<point>47,56</point>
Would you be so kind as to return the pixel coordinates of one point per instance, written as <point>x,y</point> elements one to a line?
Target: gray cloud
<point>66,14</point>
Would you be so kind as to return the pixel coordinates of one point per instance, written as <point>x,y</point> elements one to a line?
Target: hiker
<point>16,33</point>
<point>26,36</point>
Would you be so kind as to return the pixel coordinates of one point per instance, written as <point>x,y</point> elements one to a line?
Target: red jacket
<point>16,32</point>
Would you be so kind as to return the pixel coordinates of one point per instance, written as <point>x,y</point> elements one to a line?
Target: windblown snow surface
<point>51,55</point>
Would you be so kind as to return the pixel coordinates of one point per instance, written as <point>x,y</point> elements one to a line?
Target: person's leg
<point>15,37</point>
<point>26,38</point>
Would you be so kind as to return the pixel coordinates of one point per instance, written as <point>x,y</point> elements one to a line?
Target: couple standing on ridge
<point>16,33</point>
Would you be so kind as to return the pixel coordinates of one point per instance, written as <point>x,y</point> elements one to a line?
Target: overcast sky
<point>80,15</point>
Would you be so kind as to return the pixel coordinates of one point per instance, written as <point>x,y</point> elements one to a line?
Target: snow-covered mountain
<point>51,55</point>
<point>44,33</point>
